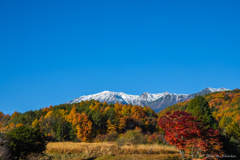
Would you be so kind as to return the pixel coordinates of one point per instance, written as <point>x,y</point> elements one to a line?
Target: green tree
<point>59,134</point>
<point>199,107</point>
<point>25,140</point>
<point>71,134</point>
<point>99,123</point>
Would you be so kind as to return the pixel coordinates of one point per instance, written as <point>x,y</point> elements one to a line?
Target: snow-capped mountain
<point>157,101</point>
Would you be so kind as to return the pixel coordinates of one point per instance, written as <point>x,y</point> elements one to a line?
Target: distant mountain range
<point>157,102</point>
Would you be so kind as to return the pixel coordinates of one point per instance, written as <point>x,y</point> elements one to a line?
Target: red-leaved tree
<point>189,135</point>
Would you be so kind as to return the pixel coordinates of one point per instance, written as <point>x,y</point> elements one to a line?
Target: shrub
<point>106,137</point>
<point>111,136</point>
<point>100,138</point>
<point>155,138</point>
<point>131,137</point>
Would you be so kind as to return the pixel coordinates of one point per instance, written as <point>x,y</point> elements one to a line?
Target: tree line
<point>85,120</point>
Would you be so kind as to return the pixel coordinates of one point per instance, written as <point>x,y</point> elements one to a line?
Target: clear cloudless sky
<point>54,51</point>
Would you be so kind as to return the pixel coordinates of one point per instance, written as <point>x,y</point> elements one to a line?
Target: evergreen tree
<point>98,122</point>
<point>72,134</point>
<point>25,140</point>
<point>199,107</point>
<point>59,134</point>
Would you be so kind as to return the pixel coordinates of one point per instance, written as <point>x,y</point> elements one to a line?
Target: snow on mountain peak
<point>155,101</point>
<point>217,89</point>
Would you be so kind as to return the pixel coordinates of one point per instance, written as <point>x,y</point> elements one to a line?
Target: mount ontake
<point>157,101</point>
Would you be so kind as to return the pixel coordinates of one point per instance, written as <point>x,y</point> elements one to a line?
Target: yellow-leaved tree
<point>126,110</point>
<point>72,116</point>
<point>111,127</point>
<point>36,124</point>
<point>14,115</point>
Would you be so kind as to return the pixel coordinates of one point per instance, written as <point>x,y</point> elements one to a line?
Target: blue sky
<point>54,51</point>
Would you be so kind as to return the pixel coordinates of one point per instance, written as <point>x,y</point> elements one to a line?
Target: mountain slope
<point>157,101</point>
<point>225,108</point>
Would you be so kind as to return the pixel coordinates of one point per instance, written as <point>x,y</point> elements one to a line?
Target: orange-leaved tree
<point>84,127</point>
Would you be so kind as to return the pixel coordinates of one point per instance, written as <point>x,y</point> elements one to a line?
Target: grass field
<point>111,151</point>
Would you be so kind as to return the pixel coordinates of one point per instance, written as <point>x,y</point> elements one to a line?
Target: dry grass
<point>108,150</point>
<point>151,149</point>
<point>88,148</point>
<point>81,147</point>
<point>141,157</point>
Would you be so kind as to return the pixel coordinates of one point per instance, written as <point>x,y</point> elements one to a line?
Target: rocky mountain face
<point>157,101</point>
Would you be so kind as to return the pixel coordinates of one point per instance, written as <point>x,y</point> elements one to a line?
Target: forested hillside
<point>225,108</point>
<point>92,121</point>
<point>85,120</point>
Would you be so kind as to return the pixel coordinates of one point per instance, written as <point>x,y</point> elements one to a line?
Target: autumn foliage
<point>191,131</point>
<point>189,135</point>
<point>85,120</point>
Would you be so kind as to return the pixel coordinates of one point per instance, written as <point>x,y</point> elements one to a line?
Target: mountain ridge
<point>157,101</point>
